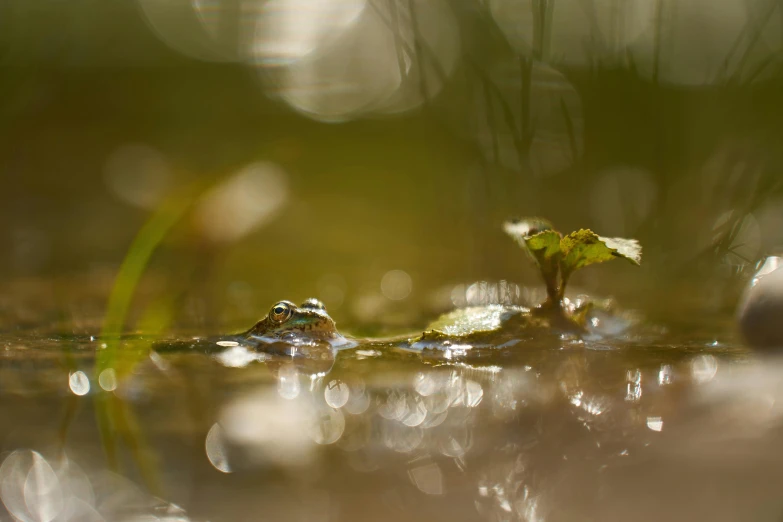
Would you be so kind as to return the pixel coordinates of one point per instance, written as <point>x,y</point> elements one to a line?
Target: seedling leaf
<point>542,242</point>
<point>558,256</point>
<point>629,249</point>
<point>584,247</point>
<point>544,247</point>
<point>536,236</point>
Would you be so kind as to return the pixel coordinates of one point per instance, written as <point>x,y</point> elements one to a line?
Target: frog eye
<point>280,312</point>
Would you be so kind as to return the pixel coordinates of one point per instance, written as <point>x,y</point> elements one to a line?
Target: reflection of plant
<point>558,256</point>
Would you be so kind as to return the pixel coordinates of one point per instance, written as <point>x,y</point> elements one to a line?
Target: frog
<point>291,324</point>
<point>287,329</point>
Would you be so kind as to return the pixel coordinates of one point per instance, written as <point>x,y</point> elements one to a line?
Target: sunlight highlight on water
<point>108,379</point>
<point>634,387</point>
<point>79,383</point>
<point>34,488</point>
<point>704,368</point>
<point>271,429</point>
<point>336,394</point>
<point>327,426</point>
<point>215,448</point>
<point>655,423</point>
<point>427,477</point>
<point>665,375</point>
<point>288,384</point>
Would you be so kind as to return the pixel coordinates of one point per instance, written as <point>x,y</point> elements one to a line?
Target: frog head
<point>287,322</point>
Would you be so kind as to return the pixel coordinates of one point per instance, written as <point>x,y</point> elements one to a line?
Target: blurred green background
<point>367,152</point>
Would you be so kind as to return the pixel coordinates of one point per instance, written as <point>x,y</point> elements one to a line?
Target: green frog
<point>290,330</point>
<point>291,324</point>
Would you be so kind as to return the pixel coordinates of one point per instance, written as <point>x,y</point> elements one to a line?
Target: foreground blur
<point>673,429</point>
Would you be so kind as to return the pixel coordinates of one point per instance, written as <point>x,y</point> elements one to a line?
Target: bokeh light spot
<point>396,285</point>
<point>79,383</point>
<point>655,423</point>
<point>704,368</point>
<point>336,394</point>
<point>108,379</point>
<point>428,478</point>
<point>215,448</point>
<point>242,203</point>
<point>138,174</point>
<point>331,290</point>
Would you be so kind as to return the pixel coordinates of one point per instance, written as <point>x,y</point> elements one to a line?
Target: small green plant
<point>558,256</point>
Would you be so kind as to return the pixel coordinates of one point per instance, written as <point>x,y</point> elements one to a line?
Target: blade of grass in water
<point>112,414</point>
<point>133,266</point>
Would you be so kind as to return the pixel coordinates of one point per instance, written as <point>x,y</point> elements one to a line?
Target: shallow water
<point>660,426</point>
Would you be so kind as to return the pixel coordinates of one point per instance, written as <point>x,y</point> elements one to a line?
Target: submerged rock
<point>760,311</point>
<point>503,326</point>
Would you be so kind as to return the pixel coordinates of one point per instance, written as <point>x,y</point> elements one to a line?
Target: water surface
<point>671,426</point>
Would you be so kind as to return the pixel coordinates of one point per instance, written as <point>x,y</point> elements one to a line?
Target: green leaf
<point>585,247</point>
<point>629,249</point>
<point>558,256</point>
<point>542,242</point>
<point>536,236</point>
<point>544,246</point>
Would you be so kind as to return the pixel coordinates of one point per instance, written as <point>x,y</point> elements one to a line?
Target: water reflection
<point>446,413</point>
<point>35,488</point>
<point>79,383</point>
<point>704,368</point>
<point>634,390</point>
<point>288,385</point>
<point>108,379</point>
<point>215,448</point>
<point>655,423</point>
<point>238,356</point>
<point>427,477</point>
<point>336,394</point>
<point>536,434</point>
<point>267,428</point>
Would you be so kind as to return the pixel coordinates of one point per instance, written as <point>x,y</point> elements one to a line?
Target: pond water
<point>659,425</point>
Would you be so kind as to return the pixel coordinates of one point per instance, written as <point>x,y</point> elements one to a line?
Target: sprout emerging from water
<point>558,256</point>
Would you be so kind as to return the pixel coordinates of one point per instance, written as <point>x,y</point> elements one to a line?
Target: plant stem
<point>564,276</point>
<point>552,290</point>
